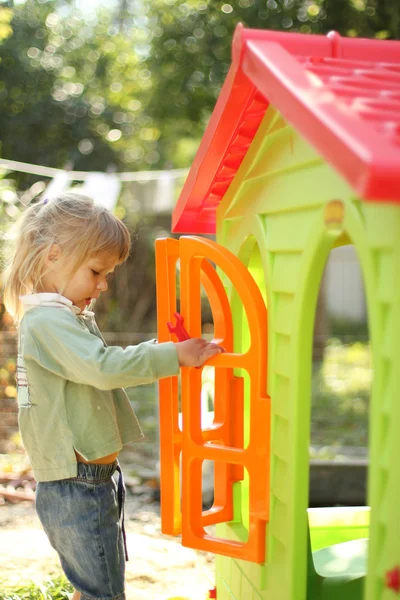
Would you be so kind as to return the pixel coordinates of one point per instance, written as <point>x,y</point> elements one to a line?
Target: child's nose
<point>102,285</point>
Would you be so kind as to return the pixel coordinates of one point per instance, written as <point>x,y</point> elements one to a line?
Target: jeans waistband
<point>92,472</point>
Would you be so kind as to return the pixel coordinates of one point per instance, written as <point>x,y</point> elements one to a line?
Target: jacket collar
<point>54,300</point>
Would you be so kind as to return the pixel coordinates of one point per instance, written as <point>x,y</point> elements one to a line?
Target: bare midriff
<point>104,460</point>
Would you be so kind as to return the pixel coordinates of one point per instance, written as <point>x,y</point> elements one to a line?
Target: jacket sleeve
<point>56,340</point>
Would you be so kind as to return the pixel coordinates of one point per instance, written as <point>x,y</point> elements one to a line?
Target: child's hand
<point>195,352</point>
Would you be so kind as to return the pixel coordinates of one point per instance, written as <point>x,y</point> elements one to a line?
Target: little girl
<point>74,415</point>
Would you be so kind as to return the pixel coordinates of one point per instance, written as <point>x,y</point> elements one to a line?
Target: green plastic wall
<point>274,218</point>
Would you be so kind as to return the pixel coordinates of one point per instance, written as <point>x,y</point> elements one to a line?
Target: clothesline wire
<point>21,167</point>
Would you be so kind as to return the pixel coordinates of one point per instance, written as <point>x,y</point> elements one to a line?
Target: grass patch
<point>57,588</point>
<point>341,389</point>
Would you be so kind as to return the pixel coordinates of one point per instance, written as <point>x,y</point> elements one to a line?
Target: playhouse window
<point>342,375</point>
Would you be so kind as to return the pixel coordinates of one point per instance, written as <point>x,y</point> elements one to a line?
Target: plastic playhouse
<point>301,154</point>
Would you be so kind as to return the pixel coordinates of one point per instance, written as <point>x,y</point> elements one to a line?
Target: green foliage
<point>341,389</point>
<point>344,329</point>
<point>10,208</point>
<point>191,49</point>
<point>5,20</point>
<point>72,88</point>
<point>57,588</point>
<point>135,83</point>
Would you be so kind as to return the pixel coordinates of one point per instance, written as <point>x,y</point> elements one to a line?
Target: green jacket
<point>69,385</point>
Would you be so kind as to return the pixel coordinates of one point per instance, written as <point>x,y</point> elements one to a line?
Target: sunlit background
<point>125,88</point>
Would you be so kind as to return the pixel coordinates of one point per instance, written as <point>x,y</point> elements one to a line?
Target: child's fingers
<point>211,350</point>
<point>217,346</point>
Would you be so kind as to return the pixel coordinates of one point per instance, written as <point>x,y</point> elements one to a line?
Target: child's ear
<point>53,255</point>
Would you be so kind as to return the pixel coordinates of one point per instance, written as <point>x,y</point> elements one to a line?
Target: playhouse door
<point>183,451</point>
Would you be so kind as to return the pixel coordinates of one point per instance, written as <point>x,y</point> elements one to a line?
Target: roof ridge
<point>346,107</point>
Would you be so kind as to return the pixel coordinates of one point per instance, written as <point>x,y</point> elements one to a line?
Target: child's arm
<point>55,339</point>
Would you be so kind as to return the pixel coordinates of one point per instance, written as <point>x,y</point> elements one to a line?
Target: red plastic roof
<point>341,94</point>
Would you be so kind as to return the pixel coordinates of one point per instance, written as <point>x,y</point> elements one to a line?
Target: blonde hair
<point>73,221</point>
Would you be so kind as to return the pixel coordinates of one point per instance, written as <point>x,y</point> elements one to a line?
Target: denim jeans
<point>83,519</point>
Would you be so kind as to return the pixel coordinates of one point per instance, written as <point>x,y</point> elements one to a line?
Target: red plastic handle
<point>178,329</point>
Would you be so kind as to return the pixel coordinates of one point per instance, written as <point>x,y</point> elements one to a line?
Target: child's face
<point>88,281</point>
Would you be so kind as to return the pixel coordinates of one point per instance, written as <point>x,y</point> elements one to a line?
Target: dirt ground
<point>159,568</point>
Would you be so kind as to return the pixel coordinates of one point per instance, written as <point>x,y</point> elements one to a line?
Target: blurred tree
<point>134,84</point>
<point>72,88</point>
<point>191,52</point>
<point>5,19</point>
